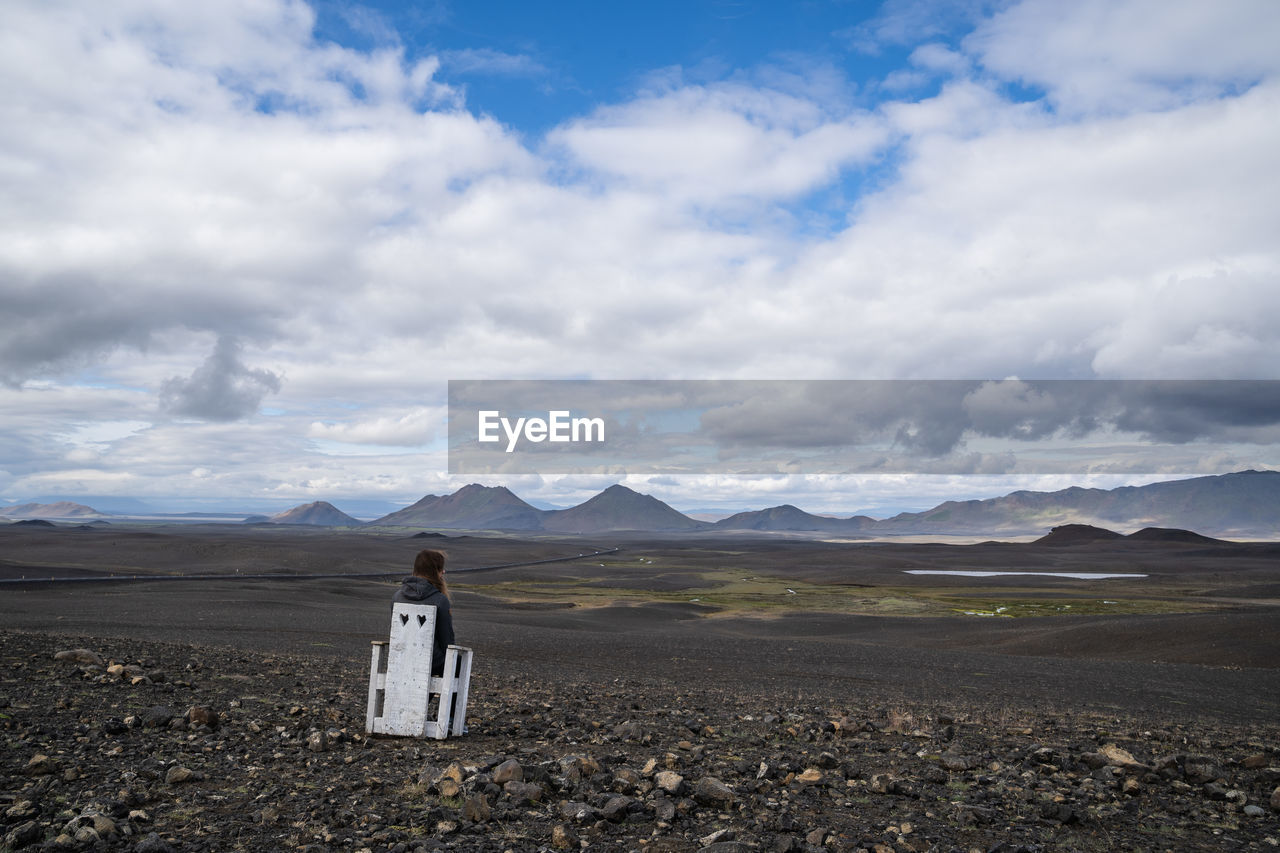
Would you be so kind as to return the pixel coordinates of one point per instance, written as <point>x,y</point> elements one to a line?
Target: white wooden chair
<point>401,684</point>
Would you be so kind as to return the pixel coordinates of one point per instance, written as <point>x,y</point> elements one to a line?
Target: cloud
<point>715,143</point>
<point>411,429</point>
<point>490,61</point>
<point>1098,55</point>
<point>220,389</point>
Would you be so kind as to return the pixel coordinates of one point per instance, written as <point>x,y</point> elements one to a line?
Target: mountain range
<point>1246,503</point>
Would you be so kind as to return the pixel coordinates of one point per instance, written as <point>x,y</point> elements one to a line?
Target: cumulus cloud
<point>1098,55</point>
<point>220,389</point>
<point>720,142</point>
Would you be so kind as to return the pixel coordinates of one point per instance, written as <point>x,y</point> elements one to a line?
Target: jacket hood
<point>415,588</point>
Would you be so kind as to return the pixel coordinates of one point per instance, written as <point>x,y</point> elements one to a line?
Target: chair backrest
<point>413,633</point>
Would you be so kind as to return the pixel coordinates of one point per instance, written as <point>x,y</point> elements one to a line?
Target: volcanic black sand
<point>746,661</point>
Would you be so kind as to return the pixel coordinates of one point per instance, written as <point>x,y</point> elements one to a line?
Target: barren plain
<point>810,695</point>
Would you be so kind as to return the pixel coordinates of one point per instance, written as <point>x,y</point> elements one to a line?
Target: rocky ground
<point>145,746</point>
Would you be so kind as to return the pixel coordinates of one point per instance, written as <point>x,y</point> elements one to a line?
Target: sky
<point>244,246</point>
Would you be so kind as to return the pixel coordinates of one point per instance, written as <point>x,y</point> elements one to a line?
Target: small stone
<point>202,715</point>
<point>956,763</point>
<point>83,656</point>
<point>1256,762</point>
<point>669,781</point>
<point>153,843</point>
<point>615,810</point>
<point>22,835</point>
<point>447,787</point>
<point>157,717</point>
<point>629,730</point>
<point>523,792</point>
<point>104,825</point>
<point>177,775</point>
<point>578,812</point>
<point>710,791</point>
<point>811,776</point>
<point>508,771</point>
<point>446,827</point>
<point>1130,786</point>
<point>563,837</point>
<point>1254,811</point>
<point>1275,799</point>
<point>476,809</point>
<point>86,836</point>
<point>318,742</point>
<point>625,779</point>
<point>40,765</point>
<point>816,837</point>
<point>716,837</point>
<point>881,783</point>
<point>22,810</point>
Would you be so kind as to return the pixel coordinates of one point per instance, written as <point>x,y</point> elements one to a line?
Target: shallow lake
<point>1083,576</point>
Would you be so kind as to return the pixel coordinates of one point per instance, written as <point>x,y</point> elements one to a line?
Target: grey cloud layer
<point>839,426</point>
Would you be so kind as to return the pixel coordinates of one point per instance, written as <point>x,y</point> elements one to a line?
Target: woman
<point>427,586</point>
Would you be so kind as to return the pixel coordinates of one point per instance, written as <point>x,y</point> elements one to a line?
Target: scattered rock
<point>177,775</point>
<point>508,771</point>
<point>22,835</point>
<point>669,781</point>
<point>153,843</point>
<point>563,837</point>
<point>710,791</point>
<point>157,717</point>
<point>476,809</point>
<point>81,656</point>
<point>811,776</point>
<point>202,715</point>
<point>40,765</point>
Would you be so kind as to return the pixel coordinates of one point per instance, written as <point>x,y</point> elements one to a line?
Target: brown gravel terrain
<point>229,714</point>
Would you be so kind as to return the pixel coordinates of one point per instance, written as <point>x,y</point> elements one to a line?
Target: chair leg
<point>447,688</point>
<point>377,690</point>
<point>463,685</point>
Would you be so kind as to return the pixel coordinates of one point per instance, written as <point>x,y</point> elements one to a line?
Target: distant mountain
<point>788,517</point>
<point>1244,503</point>
<point>472,507</point>
<point>619,508</point>
<point>113,504</point>
<point>1168,534</point>
<point>58,509</point>
<point>318,514</point>
<point>1075,534</point>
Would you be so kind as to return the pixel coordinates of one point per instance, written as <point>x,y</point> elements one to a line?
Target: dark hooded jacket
<point>416,590</point>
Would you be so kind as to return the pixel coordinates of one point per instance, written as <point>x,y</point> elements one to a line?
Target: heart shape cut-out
<point>404,618</point>
<point>422,620</point>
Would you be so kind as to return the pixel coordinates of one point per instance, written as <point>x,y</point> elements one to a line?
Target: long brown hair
<point>429,565</point>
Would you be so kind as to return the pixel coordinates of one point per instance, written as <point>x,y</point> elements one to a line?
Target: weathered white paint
<point>401,684</point>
